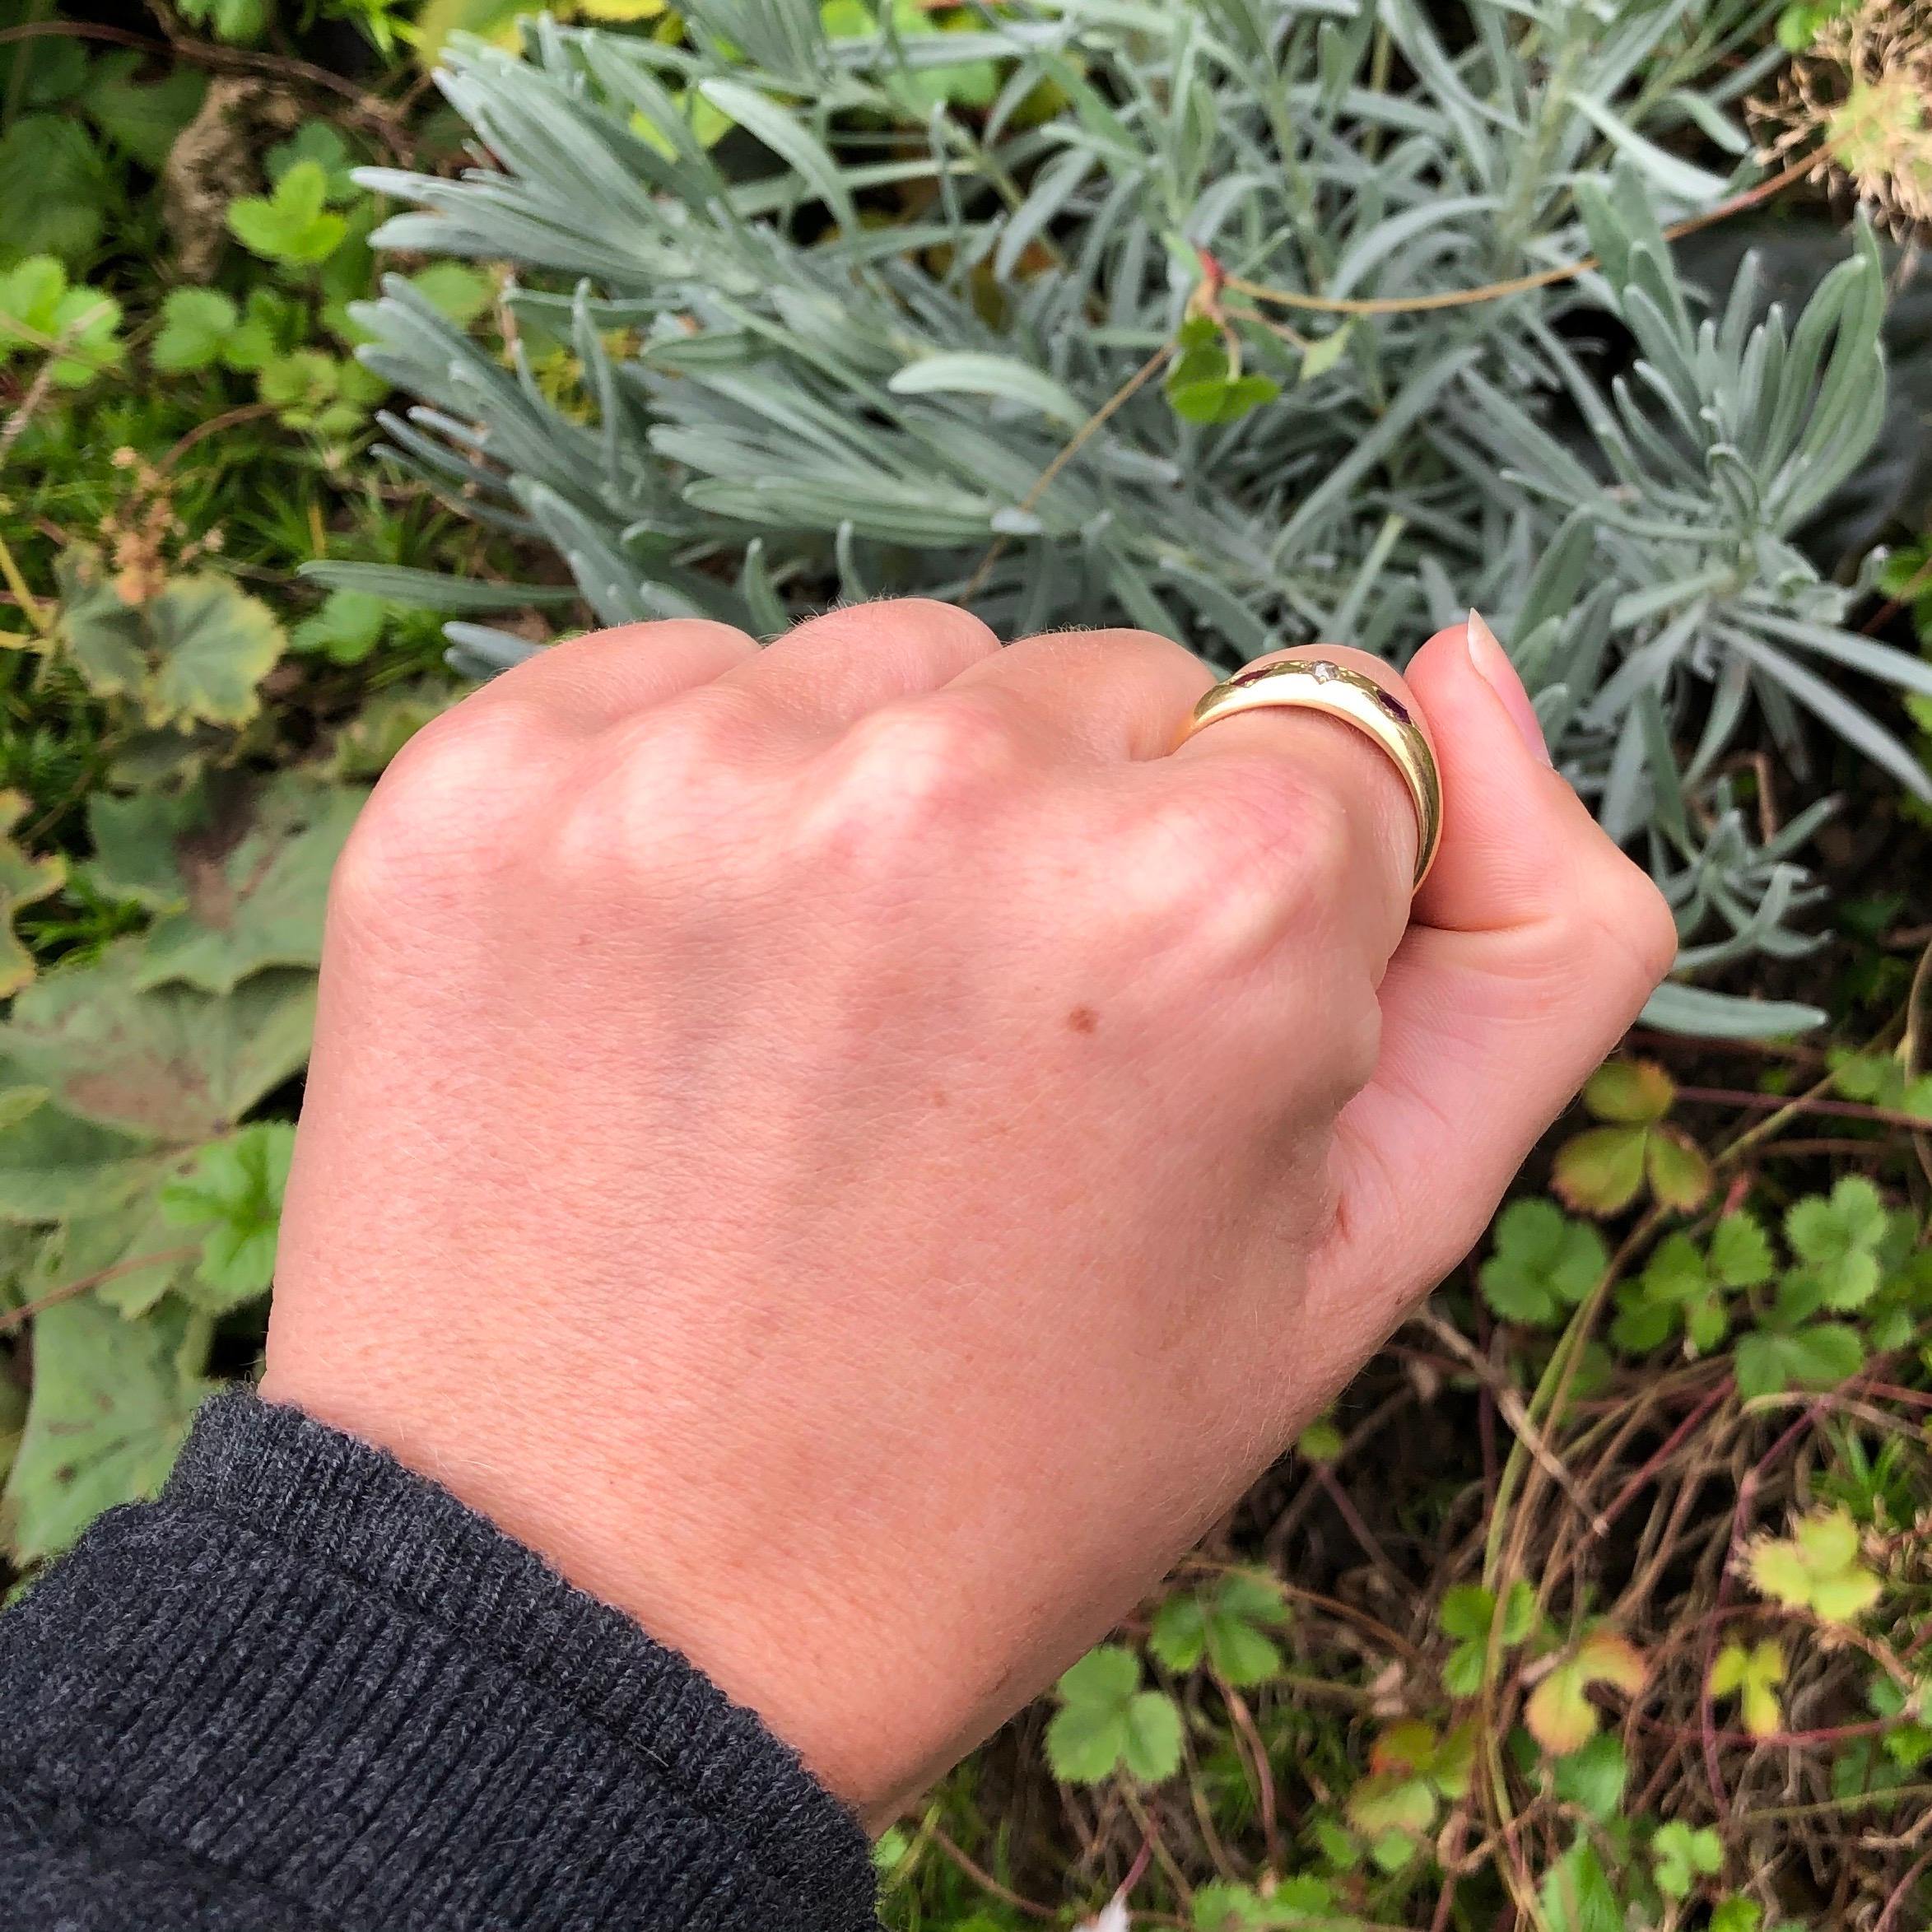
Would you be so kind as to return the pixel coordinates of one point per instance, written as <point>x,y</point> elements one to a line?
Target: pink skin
<point>858,1155</point>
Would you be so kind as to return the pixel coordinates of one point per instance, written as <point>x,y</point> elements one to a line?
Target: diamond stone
<point>1323,671</point>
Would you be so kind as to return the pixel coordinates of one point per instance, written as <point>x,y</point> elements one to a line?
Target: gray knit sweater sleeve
<point>307,1689</point>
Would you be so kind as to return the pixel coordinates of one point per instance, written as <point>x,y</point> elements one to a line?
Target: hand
<point>858,1155</point>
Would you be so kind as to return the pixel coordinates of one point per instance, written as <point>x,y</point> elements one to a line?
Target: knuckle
<point>1230,858</point>
<point>676,769</point>
<point>906,770</point>
<point>445,800</point>
<point>696,738</point>
<point>464,754</point>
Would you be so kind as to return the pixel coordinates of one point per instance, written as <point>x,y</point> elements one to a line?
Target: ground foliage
<point>1603,1599</point>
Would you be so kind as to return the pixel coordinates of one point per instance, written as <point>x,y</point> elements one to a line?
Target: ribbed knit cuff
<point>310,1667</point>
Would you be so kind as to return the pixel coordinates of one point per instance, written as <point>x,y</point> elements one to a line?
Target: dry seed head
<point>1861,96</point>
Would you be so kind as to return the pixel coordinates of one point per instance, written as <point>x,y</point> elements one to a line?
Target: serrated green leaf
<point>1601,1170</point>
<point>234,1189</point>
<point>1817,1568</point>
<point>294,224</point>
<point>1630,1092</point>
<point>169,1064</point>
<point>1542,1262</point>
<point>1680,1853</point>
<point>212,644</point>
<point>1753,1677</point>
<point>72,331</point>
<point>110,1407</point>
<point>24,881</point>
<point>56,189</point>
<point>1577,1896</point>
<point>252,882</point>
<point>1741,1255</point>
<point>142,118</point>
<point>1106,1722</point>
<point>1819,1356</point>
<point>1677,1170</point>
<point>197,325</point>
<point>1593,1776</point>
<point>1467,1610</point>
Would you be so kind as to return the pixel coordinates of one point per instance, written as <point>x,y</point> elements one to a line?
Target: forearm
<point>309,1688</point>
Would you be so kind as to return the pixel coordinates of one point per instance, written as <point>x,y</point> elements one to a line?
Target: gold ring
<point>1318,684</point>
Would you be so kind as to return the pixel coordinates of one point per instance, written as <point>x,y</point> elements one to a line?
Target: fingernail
<point>1493,666</point>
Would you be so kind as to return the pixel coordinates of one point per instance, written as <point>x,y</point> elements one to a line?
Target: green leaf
<point>1001,376</point>
<point>197,325</point>
<point>1680,1855</point>
<point>1467,1611</point>
<point>167,1063</point>
<point>1324,353</point>
<point>316,142</point>
<point>1600,1170</point>
<point>194,654</point>
<point>128,1250</point>
<point>1225,1622</point>
<point>1542,1262</point>
<point>1106,1722</point>
<point>1736,1914</point>
<point>313,390</point>
<point>456,291</point>
<point>292,225</point>
<point>1753,1677</point>
<point>1679,1173</point>
<point>1392,1801</point>
<point>237,1185</point>
<point>1152,1751</point>
<point>346,630</point>
<point>1741,1255</point>
<point>1577,1895</point>
<point>1817,1568</point>
<point>1630,1092</point>
<point>54,1167</point>
<point>1222,1907</point>
<point>229,20</point>
<point>1840,1239</point>
<point>56,189</point>
<point>1203,386</point>
<point>24,881</point>
<point>142,120</point>
<point>1594,1777</point>
<point>1819,1356</point>
<point>42,318</point>
<point>253,885</point>
<point>111,1403</point>
<point>212,645</point>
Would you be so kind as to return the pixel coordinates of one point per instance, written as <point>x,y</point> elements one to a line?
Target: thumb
<point>1535,944</point>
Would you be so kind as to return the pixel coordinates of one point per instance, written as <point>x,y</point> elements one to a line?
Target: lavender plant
<point>1247,321</point>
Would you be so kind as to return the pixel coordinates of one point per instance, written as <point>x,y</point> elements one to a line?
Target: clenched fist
<point>859,1150</point>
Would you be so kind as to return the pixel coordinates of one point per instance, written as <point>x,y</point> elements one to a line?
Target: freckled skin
<point>877,1148</point>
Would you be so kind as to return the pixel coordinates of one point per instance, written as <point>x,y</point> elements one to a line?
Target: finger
<point>833,669</point>
<point>1317,789</point>
<point>1111,694</point>
<point>1535,945</point>
<point>595,680</point>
